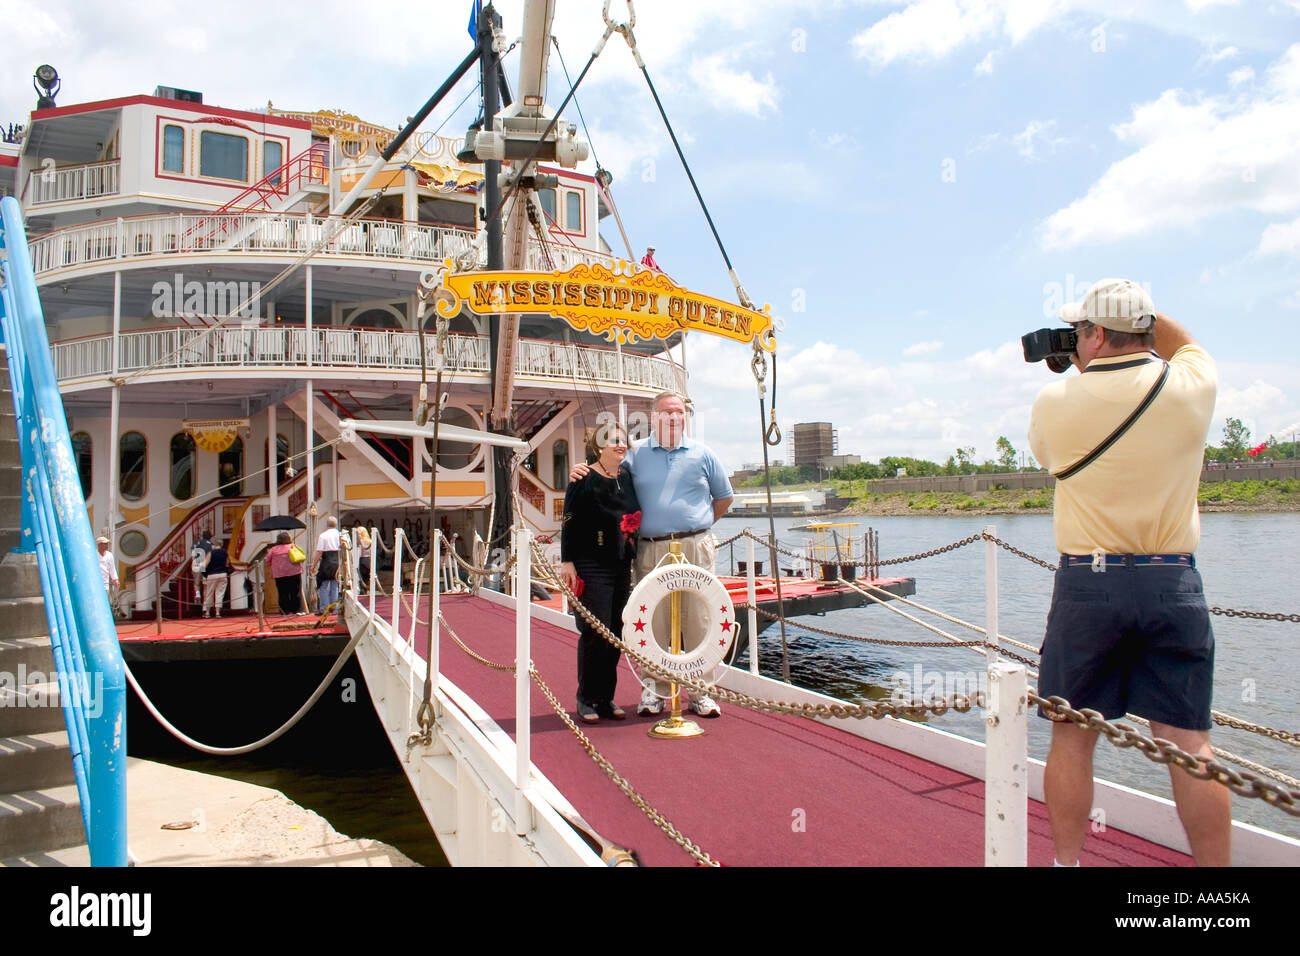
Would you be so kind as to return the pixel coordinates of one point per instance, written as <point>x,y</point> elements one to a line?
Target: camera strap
<point>1114,436</point>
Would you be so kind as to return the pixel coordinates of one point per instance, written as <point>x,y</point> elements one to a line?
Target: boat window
<point>81,455</point>
<point>455,455</point>
<point>230,469</point>
<point>272,160</point>
<point>560,465</point>
<point>182,482</point>
<point>573,211</point>
<point>547,199</point>
<point>132,544</point>
<point>173,149</point>
<point>132,454</point>
<point>223,156</point>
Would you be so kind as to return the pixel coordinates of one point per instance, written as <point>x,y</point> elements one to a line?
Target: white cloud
<point>1218,56</point>
<point>735,88</point>
<point>926,30</point>
<point>919,408</point>
<point>1195,156</point>
<point>1280,237</point>
<point>931,29</point>
<point>1036,136</point>
<point>923,348</point>
<point>1196,6</point>
<point>1241,76</point>
<point>985,66</point>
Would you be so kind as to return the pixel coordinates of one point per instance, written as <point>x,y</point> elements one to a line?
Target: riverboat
<point>246,308</point>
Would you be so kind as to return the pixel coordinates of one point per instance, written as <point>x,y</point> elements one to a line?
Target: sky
<point>912,186</point>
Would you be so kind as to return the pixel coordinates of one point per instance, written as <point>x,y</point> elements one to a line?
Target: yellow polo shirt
<point>1139,497</point>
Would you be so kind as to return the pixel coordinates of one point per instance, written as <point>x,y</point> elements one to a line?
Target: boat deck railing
<point>237,348</point>
<point>159,237</point>
<point>56,527</point>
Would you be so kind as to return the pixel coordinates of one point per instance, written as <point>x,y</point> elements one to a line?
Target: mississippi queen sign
<point>622,304</point>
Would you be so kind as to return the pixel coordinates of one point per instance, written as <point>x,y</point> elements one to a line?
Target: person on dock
<point>216,577</point>
<point>325,565</point>
<point>107,568</point>
<point>683,490</point>
<point>597,545</point>
<point>1129,630</point>
<point>287,574</point>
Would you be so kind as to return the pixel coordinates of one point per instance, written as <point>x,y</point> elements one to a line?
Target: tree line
<point>1237,446</point>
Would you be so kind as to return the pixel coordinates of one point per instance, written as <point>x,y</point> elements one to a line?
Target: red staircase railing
<point>399,452</point>
<point>309,167</point>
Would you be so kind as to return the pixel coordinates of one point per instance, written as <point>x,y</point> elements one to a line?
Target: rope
<point>257,744</point>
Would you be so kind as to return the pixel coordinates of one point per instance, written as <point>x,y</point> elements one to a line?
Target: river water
<point>1247,562</point>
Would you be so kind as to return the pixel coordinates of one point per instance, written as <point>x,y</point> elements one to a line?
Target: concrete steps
<point>40,813</point>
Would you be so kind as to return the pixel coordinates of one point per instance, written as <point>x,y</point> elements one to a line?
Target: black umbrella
<point>279,523</point>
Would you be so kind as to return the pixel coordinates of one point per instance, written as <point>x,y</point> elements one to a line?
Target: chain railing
<point>1162,751</point>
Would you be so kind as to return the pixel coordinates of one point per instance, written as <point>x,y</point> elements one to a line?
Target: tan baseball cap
<point>1117,304</point>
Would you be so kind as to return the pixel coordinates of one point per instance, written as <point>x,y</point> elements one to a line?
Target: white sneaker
<point>705,706</point>
<point>650,701</point>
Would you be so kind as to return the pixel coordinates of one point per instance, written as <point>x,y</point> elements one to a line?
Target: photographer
<point>1128,630</point>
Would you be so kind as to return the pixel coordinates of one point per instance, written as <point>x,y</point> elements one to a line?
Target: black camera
<point>1053,346</point>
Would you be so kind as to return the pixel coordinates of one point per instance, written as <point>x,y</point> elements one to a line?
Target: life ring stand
<point>657,586</point>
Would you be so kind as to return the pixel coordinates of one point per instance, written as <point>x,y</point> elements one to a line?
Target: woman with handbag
<point>285,562</point>
<point>597,545</point>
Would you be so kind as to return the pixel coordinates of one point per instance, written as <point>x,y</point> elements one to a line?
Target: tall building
<point>814,441</point>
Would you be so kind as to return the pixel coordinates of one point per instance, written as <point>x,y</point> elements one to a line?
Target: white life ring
<point>638,620</point>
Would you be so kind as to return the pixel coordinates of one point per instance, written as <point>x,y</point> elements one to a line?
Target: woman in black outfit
<point>597,548</point>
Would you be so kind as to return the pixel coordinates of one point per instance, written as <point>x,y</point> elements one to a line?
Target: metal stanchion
<point>676,725</point>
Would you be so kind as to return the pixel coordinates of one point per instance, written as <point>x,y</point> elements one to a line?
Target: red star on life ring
<point>657,586</point>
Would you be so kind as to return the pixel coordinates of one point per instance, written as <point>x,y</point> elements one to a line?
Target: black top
<point>594,507</point>
<point>217,563</point>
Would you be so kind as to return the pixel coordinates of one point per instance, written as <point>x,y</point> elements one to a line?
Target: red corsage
<point>630,524</point>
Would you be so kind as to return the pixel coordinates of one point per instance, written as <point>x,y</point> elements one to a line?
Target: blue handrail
<point>56,527</point>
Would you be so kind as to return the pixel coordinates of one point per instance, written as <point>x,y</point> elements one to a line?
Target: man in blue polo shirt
<point>683,489</point>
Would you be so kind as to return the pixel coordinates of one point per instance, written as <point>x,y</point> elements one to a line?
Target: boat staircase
<point>535,421</point>
<point>394,449</point>
<point>328,410</point>
<point>166,573</point>
<point>298,179</point>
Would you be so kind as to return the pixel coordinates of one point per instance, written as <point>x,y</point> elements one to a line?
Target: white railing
<point>68,183</point>
<point>179,234</point>
<point>565,257</point>
<point>378,350</point>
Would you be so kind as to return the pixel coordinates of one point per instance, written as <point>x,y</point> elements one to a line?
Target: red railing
<point>398,451</point>
<point>307,168</point>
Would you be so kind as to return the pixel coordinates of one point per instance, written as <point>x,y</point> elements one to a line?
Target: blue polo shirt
<point>677,487</point>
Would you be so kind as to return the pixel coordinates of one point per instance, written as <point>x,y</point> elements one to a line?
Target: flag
<point>475,9</point>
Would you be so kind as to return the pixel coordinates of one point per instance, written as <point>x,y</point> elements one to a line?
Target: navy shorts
<point>1131,640</point>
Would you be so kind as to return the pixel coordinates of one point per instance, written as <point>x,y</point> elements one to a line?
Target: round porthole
<point>132,544</point>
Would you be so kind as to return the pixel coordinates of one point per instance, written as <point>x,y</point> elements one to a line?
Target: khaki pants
<point>214,591</point>
<point>700,551</point>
